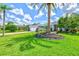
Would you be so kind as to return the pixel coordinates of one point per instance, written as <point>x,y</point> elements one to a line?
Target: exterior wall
<point>33,29</point>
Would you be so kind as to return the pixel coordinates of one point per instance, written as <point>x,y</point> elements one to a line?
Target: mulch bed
<point>49,35</point>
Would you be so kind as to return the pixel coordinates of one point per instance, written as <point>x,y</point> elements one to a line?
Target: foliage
<point>26,27</point>
<point>69,23</point>
<point>11,27</point>
<point>23,28</point>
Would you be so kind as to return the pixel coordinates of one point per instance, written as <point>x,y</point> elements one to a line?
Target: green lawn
<point>27,44</point>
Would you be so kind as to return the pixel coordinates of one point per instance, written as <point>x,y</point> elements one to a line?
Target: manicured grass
<point>27,45</point>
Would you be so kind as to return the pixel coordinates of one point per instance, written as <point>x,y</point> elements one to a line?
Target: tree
<point>69,23</point>
<point>74,23</point>
<point>62,23</point>
<point>50,6</point>
<point>11,27</point>
<point>27,28</point>
<point>3,8</point>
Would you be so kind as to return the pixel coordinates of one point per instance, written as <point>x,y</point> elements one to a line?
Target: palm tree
<point>51,7</point>
<point>3,8</point>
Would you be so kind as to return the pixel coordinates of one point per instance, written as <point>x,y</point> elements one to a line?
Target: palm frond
<point>41,7</point>
<point>63,4</point>
<point>5,7</point>
<point>33,4</point>
<point>8,8</point>
<point>53,6</point>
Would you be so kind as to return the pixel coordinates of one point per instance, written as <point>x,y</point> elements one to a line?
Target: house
<point>39,27</point>
<point>33,27</point>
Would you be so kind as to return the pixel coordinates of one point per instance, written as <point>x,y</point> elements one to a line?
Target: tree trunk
<point>3,22</point>
<point>49,12</point>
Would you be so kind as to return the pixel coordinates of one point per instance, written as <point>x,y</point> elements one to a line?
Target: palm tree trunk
<point>3,22</point>
<point>49,12</point>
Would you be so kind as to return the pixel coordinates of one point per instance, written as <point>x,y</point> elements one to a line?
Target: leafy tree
<point>70,23</point>
<point>61,22</point>
<point>11,27</point>
<point>27,28</point>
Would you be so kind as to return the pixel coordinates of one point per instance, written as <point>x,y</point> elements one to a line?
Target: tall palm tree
<point>50,7</point>
<point>3,8</point>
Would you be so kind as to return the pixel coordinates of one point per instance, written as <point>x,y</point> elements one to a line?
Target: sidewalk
<point>13,33</point>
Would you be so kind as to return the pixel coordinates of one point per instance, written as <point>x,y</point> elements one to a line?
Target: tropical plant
<point>3,9</point>
<point>50,7</point>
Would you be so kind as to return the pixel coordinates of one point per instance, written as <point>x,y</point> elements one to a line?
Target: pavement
<point>13,33</point>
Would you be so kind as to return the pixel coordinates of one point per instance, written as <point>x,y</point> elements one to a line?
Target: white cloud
<point>10,20</point>
<point>39,15</point>
<point>11,16</point>
<point>76,10</point>
<point>17,19</point>
<point>36,7</point>
<point>56,18</point>
<point>53,13</point>
<point>26,21</point>
<point>46,10</point>
<point>46,15</point>
<point>27,17</point>
<point>21,11</point>
<point>29,6</point>
<point>19,23</point>
<point>17,11</point>
<point>72,5</point>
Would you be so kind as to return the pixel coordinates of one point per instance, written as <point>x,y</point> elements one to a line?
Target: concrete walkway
<point>13,33</point>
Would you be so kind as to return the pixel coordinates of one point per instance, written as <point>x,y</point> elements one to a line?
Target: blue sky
<point>23,13</point>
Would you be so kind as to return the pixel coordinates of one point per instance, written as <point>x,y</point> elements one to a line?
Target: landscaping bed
<point>49,35</point>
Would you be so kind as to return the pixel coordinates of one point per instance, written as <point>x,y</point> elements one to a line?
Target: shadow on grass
<point>29,42</point>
